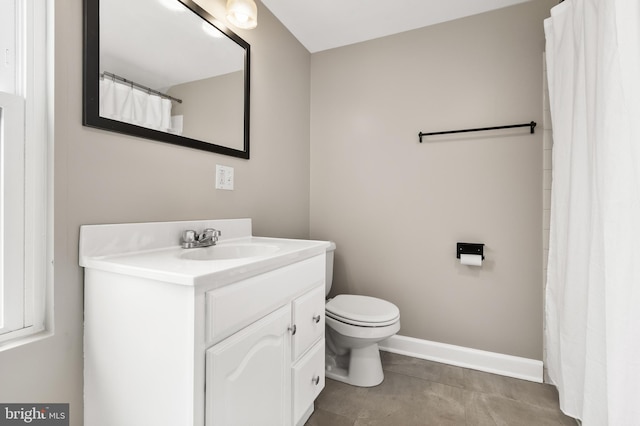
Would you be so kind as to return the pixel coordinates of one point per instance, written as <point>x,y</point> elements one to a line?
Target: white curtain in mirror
<point>122,102</point>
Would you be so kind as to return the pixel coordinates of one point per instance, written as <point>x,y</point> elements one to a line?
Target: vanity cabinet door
<point>308,316</point>
<point>249,374</point>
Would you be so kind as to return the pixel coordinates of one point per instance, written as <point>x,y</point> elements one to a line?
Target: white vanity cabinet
<point>271,371</point>
<point>243,345</point>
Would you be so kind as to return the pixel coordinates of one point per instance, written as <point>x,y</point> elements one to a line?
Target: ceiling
<point>325,24</point>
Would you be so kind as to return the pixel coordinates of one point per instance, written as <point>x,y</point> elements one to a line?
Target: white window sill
<point>23,337</point>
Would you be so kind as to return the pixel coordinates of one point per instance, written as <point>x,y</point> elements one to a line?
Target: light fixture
<point>242,14</point>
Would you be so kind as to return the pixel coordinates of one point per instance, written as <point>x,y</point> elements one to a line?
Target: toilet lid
<point>362,310</point>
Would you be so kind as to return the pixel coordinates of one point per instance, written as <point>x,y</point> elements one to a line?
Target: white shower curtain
<point>593,284</point>
<point>122,102</point>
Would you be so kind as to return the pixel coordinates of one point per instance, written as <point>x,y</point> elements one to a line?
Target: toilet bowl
<point>354,326</point>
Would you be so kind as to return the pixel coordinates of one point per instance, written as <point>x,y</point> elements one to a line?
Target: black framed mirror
<point>166,70</point>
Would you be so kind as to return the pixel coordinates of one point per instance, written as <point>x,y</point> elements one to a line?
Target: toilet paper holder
<point>470,248</point>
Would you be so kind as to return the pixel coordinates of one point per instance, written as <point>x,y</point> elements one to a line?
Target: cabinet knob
<point>316,380</point>
<point>317,318</point>
<point>293,329</point>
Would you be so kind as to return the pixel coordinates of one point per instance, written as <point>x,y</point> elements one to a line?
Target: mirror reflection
<point>165,72</point>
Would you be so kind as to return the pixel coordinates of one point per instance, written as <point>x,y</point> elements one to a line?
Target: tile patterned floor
<point>418,392</point>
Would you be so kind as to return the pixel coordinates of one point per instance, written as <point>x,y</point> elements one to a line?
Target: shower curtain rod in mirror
<point>139,86</point>
<point>531,125</point>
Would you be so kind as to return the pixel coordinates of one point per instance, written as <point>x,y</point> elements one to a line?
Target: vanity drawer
<point>308,317</point>
<point>233,307</point>
<point>308,380</point>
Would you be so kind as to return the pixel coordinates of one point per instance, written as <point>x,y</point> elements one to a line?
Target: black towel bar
<point>531,125</point>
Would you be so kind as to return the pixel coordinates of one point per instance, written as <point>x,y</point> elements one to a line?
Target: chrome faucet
<point>209,237</point>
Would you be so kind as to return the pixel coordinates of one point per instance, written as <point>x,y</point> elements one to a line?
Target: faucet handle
<point>189,239</point>
<point>210,233</point>
<point>189,236</point>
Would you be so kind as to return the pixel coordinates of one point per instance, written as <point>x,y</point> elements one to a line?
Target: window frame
<point>32,237</point>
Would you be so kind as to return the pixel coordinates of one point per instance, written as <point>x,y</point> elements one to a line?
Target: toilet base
<point>360,367</point>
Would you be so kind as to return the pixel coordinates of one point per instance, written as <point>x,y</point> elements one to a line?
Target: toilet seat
<point>362,311</point>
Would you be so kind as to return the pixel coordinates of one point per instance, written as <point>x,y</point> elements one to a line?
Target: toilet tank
<point>329,277</point>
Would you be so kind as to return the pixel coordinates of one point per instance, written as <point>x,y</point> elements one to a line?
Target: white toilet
<point>354,326</point>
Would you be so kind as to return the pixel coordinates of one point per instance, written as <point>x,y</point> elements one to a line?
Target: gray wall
<point>218,118</point>
<point>103,177</point>
<point>396,208</point>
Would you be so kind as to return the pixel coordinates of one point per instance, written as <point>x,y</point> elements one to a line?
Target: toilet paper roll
<point>471,259</point>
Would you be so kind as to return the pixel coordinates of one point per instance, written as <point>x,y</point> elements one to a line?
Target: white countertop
<point>143,250</point>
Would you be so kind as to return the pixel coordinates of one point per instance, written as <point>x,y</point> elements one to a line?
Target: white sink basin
<point>229,252</point>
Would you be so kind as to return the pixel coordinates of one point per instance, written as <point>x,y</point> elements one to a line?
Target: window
<point>12,213</point>
<point>24,168</point>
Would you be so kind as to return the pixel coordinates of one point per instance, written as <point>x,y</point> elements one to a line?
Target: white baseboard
<point>490,362</point>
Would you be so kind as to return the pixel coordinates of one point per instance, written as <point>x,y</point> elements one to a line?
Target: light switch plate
<point>224,177</point>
